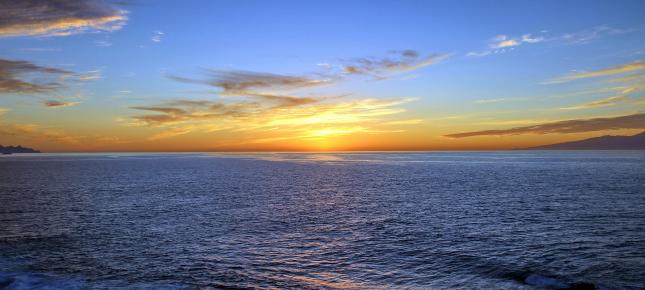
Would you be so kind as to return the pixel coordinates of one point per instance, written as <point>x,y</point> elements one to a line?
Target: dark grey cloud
<point>14,73</point>
<point>57,17</point>
<point>635,121</point>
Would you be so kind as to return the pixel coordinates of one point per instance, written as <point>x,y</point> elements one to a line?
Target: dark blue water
<point>496,220</point>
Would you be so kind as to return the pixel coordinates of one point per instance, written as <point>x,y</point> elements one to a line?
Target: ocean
<point>430,220</point>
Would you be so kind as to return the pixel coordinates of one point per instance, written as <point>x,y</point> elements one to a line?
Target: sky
<point>143,75</point>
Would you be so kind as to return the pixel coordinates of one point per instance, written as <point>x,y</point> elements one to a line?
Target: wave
<point>31,280</point>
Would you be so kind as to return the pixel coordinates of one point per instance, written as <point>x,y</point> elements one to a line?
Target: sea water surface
<point>436,220</point>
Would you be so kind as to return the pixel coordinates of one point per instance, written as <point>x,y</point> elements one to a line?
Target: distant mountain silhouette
<point>636,142</point>
<point>16,149</point>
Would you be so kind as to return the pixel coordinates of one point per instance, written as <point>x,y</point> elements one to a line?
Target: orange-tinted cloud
<point>623,68</point>
<point>303,121</point>
<point>611,101</point>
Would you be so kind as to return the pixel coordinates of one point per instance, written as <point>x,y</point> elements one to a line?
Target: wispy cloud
<point>236,82</point>
<point>187,110</point>
<point>619,69</point>
<point>59,104</point>
<point>588,35</point>
<point>503,43</point>
<point>15,77</point>
<point>274,102</point>
<point>404,122</point>
<point>40,49</point>
<point>37,133</point>
<point>611,101</point>
<point>58,17</point>
<point>102,43</point>
<point>90,75</point>
<point>157,36</point>
<point>635,121</point>
<point>402,61</point>
<point>490,101</point>
<point>265,87</point>
<point>302,121</point>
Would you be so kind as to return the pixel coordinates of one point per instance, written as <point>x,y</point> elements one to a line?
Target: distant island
<point>635,142</point>
<point>16,149</point>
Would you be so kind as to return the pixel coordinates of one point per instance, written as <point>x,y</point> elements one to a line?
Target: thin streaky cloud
<point>13,77</point>
<point>610,101</point>
<point>634,121</point>
<point>405,61</point>
<point>59,104</point>
<point>236,81</point>
<point>490,101</point>
<point>299,121</point>
<point>40,49</point>
<point>619,69</point>
<point>503,43</point>
<point>157,36</point>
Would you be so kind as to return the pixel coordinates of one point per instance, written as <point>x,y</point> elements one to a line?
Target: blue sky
<point>496,62</point>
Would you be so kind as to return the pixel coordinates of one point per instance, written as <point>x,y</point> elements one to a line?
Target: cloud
<point>187,110</point>
<point>587,35</point>
<point>404,61</point>
<point>503,43</point>
<point>404,122</point>
<point>619,69</point>
<point>169,133</point>
<point>629,78</point>
<point>283,101</point>
<point>157,36</point>
<point>527,38</point>
<point>293,122</point>
<point>490,101</point>
<point>256,84</point>
<point>270,103</point>
<point>90,75</point>
<point>611,101</point>
<point>59,104</point>
<point>236,82</point>
<point>635,121</point>
<point>102,43</point>
<point>40,49</point>
<point>13,74</point>
<point>58,17</point>
<point>36,132</point>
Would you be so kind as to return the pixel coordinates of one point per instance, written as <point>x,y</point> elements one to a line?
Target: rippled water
<point>511,220</point>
